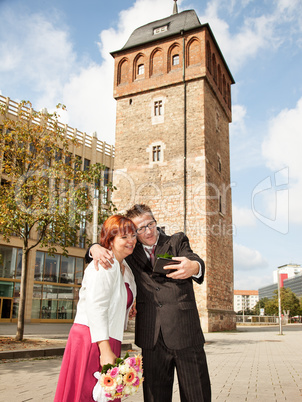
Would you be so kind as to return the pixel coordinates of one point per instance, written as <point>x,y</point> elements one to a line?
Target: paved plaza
<point>250,364</point>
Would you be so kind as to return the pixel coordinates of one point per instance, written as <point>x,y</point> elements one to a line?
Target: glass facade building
<point>56,283</point>
<point>53,282</point>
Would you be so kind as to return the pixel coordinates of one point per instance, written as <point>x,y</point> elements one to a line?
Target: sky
<point>59,52</point>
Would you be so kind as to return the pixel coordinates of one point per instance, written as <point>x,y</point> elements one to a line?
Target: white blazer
<point>102,302</point>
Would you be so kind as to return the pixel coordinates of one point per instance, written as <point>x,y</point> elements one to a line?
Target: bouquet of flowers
<point>121,379</point>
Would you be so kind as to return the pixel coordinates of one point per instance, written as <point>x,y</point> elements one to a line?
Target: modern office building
<point>290,277</point>
<point>53,281</point>
<point>287,271</point>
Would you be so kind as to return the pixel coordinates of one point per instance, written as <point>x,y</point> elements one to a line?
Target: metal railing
<point>258,320</point>
<point>71,133</point>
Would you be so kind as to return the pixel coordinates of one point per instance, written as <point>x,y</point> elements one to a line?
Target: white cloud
<point>41,61</point>
<point>244,281</point>
<point>282,149</point>
<point>238,120</point>
<point>243,217</point>
<point>246,259</point>
<point>257,32</point>
<point>45,63</point>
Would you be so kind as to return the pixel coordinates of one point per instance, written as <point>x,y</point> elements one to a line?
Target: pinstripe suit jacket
<point>164,303</point>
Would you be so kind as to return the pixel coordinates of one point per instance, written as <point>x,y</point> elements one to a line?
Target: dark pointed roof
<point>176,24</point>
<point>184,21</point>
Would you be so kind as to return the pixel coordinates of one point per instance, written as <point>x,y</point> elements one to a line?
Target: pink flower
<point>119,388</point>
<point>114,372</point>
<point>131,361</point>
<point>136,382</point>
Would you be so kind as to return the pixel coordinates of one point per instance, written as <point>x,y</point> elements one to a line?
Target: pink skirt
<point>80,361</point>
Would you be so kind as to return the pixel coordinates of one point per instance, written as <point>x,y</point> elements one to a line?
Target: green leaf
<point>166,255</point>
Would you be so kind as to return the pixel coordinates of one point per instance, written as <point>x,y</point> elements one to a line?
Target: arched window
<point>209,57</point>
<point>157,62</point>
<point>229,95</point>
<point>219,78</point>
<point>224,87</point>
<point>139,67</point>
<point>174,57</point>
<point>123,72</point>
<point>194,52</point>
<point>214,67</point>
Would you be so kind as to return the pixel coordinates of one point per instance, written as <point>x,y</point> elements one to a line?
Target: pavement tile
<point>253,365</point>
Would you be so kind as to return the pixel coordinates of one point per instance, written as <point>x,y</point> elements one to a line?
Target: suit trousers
<point>192,371</point>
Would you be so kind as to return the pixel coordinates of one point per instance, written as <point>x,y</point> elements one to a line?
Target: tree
<point>289,302</point>
<point>260,304</point>
<point>246,311</point>
<point>44,196</point>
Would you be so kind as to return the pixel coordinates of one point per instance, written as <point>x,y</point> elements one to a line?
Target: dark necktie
<point>150,251</point>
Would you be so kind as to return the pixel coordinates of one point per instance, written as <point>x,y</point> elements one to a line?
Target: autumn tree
<point>44,195</point>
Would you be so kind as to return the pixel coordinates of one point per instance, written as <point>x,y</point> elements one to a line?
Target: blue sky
<point>58,51</point>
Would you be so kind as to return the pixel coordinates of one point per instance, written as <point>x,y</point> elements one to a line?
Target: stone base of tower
<point>213,320</point>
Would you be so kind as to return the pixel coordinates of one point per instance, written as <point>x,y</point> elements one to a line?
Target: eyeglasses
<point>142,229</point>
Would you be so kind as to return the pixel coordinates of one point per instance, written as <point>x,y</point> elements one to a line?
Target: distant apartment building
<point>245,299</point>
<point>290,277</point>
<point>53,281</point>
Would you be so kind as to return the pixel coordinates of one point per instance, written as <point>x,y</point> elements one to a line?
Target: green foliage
<point>44,197</point>
<point>42,190</point>
<point>289,302</point>
<point>247,312</point>
<point>118,361</point>
<point>260,304</point>
<point>166,255</point>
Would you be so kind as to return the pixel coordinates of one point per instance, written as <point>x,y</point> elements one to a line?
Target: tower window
<point>156,153</point>
<point>175,60</point>
<point>158,108</point>
<point>220,204</point>
<point>159,30</point>
<point>141,69</point>
<point>219,164</point>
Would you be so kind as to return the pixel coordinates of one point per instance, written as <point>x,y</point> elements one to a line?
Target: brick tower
<point>172,87</point>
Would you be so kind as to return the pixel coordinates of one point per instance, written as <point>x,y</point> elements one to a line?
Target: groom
<point>167,322</point>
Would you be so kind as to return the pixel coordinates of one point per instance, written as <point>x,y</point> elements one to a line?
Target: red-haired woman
<point>104,303</point>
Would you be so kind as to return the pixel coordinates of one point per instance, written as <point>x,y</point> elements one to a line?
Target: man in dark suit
<point>167,322</point>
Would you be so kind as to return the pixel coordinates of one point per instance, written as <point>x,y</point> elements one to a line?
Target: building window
<point>86,164</point>
<point>156,153</point>
<point>159,30</point>
<point>221,206</point>
<point>140,69</point>
<point>175,60</point>
<point>77,163</point>
<point>158,108</point>
<point>219,164</point>
<point>105,186</point>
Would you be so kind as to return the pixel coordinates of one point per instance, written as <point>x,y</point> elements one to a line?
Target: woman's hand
<point>107,356</point>
<point>133,311</point>
<point>101,255</point>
